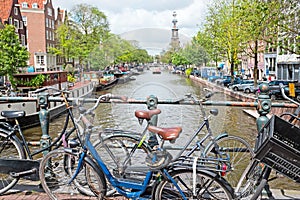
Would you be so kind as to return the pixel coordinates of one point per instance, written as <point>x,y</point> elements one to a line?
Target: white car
<point>240,86</point>
<point>251,89</point>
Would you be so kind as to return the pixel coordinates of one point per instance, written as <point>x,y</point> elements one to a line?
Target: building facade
<point>39,17</point>
<point>10,14</point>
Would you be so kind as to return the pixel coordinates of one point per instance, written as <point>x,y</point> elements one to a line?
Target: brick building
<point>10,14</point>
<point>39,17</point>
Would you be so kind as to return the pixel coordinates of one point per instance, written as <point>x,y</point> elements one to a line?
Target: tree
<point>224,26</point>
<point>284,29</point>
<point>179,59</point>
<point>257,17</point>
<point>83,31</point>
<point>13,56</point>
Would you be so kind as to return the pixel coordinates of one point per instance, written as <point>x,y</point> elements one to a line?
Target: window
<point>16,11</point>
<point>24,20</point>
<point>10,21</point>
<point>49,11</point>
<point>21,25</point>
<point>23,40</point>
<point>24,5</point>
<point>16,23</point>
<point>35,5</point>
<point>40,60</point>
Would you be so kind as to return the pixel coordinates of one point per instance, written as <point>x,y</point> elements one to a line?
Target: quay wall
<point>239,95</point>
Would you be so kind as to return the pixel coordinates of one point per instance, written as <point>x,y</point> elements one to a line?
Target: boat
<point>106,83</point>
<point>156,70</point>
<point>56,79</point>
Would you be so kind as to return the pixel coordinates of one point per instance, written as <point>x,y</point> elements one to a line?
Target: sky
<point>128,15</point>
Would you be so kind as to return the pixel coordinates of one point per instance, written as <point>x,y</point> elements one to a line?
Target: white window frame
<point>24,5</point>
<point>16,11</point>
<point>35,5</point>
<point>24,18</point>
<point>16,23</point>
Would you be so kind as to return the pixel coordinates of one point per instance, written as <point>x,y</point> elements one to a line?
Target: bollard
<point>44,120</point>
<point>152,104</point>
<point>263,106</point>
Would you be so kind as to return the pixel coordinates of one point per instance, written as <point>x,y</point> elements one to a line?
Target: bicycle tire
<point>115,149</point>
<point>11,148</point>
<point>240,153</point>
<point>209,185</point>
<point>247,187</point>
<point>55,175</point>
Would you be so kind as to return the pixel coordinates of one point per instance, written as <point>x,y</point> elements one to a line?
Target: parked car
<point>276,93</point>
<point>251,89</point>
<point>213,78</point>
<point>228,82</point>
<point>220,80</point>
<point>196,72</point>
<point>274,85</point>
<point>241,85</point>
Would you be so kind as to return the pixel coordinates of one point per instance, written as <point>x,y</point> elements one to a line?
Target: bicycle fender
<point>218,137</point>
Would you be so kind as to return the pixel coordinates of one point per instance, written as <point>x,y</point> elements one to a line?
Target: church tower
<point>175,43</point>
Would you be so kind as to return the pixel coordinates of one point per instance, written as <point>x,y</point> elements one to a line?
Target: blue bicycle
<point>183,178</point>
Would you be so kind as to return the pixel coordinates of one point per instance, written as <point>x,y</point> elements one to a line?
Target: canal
<point>169,86</point>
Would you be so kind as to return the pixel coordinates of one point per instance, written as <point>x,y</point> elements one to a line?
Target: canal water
<point>167,86</point>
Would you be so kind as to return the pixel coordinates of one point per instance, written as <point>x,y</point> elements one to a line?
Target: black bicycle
<point>125,151</point>
<point>277,148</point>
<point>16,159</point>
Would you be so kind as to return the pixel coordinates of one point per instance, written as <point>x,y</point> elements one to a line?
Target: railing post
<point>263,106</point>
<point>43,101</point>
<point>152,104</point>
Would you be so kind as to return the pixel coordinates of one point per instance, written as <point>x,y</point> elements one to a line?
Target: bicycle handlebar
<point>102,98</point>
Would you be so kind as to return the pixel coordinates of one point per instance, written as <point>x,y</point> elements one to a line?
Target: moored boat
<point>56,79</point>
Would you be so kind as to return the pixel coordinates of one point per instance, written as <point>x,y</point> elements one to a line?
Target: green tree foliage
<point>258,18</point>
<point>13,56</point>
<point>224,24</point>
<point>195,54</point>
<point>179,59</point>
<point>284,28</point>
<point>82,32</point>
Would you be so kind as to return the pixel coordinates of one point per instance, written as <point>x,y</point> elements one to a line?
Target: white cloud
<point>127,15</point>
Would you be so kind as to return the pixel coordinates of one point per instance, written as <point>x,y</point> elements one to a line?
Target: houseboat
<point>56,79</point>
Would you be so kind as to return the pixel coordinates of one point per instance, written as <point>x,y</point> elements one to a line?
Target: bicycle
<point>276,148</point>
<point>209,184</point>
<point>125,148</point>
<point>17,160</point>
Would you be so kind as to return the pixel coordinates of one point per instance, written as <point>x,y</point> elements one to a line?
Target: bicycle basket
<point>278,146</point>
<point>158,159</point>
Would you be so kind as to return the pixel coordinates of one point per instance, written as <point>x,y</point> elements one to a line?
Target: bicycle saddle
<point>146,114</point>
<point>170,134</point>
<point>12,114</point>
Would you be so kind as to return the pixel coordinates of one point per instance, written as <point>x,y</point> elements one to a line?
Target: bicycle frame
<point>118,184</point>
<point>61,139</point>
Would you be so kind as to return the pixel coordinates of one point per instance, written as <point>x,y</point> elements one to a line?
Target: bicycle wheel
<point>207,185</point>
<point>116,149</point>
<point>240,153</point>
<point>56,171</point>
<point>10,148</point>
<point>251,183</point>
